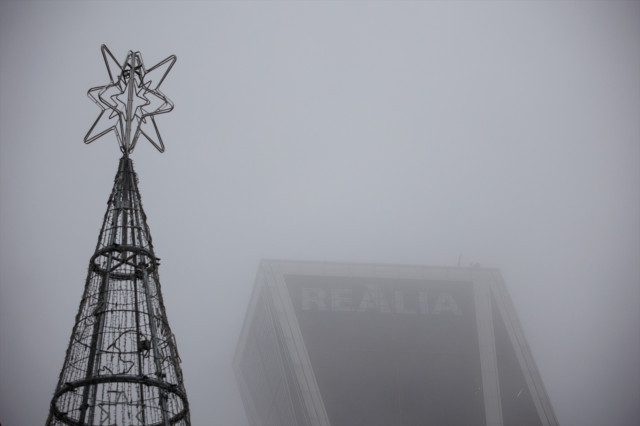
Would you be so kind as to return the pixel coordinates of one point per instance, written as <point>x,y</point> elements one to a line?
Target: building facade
<point>367,345</point>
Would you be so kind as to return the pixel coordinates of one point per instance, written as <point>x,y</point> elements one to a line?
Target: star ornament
<point>130,102</point>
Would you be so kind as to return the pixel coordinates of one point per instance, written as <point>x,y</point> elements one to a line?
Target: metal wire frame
<point>131,100</point>
<point>122,365</point>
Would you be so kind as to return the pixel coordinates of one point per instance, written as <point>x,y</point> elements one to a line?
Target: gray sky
<point>396,132</point>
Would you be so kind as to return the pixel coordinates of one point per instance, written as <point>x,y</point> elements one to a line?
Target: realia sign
<point>372,298</point>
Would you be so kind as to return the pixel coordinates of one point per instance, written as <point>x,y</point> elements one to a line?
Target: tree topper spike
<point>130,102</point>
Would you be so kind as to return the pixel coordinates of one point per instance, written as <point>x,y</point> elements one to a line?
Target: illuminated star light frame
<point>130,102</point>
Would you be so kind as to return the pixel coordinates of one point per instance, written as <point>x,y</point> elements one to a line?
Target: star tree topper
<point>130,101</point>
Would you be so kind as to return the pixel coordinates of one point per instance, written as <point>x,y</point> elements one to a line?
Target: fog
<point>426,133</point>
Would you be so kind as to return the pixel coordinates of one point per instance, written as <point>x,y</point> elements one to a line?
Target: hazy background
<point>396,132</point>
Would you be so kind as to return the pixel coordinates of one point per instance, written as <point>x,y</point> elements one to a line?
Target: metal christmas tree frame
<point>122,365</point>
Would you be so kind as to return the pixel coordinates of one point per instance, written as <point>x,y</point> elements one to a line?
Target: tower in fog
<point>378,345</point>
<point>122,365</point>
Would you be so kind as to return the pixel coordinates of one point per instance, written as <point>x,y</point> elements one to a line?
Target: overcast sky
<point>396,132</point>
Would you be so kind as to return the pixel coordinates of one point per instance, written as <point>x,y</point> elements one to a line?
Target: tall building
<point>366,345</point>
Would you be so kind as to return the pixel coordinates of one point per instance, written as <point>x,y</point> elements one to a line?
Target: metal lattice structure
<point>122,365</point>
